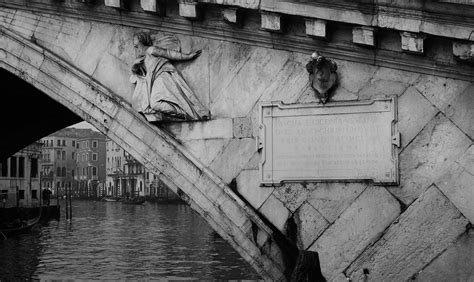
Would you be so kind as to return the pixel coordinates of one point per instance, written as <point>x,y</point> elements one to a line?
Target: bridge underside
<point>27,114</point>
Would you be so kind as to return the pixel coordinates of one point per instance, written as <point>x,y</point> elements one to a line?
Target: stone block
<point>354,76</point>
<point>316,28</point>
<point>420,234</point>
<point>454,264</point>
<point>467,160</point>
<point>293,195</point>
<point>331,199</point>
<point>412,42</point>
<point>461,111</point>
<point>271,21</point>
<point>242,127</point>
<point>458,185</point>
<point>357,227</point>
<point>363,35</point>
<point>231,15</point>
<point>206,150</point>
<point>149,5</point>
<point>414,112</point>
<point>248,186</point>
<point>438,145</point>
<point>440,91</point>
<point>234,157</point>
<point>114,3</point>
<point>275,212</point>
<point>188,10</point>
<point>211,129</point>
<point>463,51</point>
<point>382,88</point>
<point>114,74</point>
<point>405,77</point>
<point>310,225</point>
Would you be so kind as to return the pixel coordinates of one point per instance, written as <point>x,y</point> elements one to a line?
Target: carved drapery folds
<point>322,76</point>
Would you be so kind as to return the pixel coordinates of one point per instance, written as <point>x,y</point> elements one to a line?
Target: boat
<point>133,201</point>
<point>14,228</point>
<point>109,199</point>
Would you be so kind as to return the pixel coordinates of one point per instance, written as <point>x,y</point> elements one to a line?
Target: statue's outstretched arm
<point>173,55</point>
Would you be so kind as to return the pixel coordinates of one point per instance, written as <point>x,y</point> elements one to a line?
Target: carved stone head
<point>322,75</point>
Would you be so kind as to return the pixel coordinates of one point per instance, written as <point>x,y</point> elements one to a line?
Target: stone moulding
<point>339,141</point>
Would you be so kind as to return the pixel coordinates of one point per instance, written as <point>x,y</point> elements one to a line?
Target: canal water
<point>113,241</point>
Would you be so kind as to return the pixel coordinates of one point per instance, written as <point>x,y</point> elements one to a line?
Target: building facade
<point>90,166</point>
<point>20,178</point>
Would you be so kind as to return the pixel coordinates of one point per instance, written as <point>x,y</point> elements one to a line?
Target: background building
<point>19,178</point>
<point>90,165</point>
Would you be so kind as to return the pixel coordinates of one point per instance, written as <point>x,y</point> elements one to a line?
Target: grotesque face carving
<point>322,75</point>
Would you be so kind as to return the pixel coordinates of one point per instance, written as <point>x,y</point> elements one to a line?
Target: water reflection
<point>108,240</point>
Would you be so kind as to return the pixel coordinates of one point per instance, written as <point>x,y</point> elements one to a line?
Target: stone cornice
<point>220,30</point>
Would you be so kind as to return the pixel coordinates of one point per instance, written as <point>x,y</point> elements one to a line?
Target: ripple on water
<point>111,241</point>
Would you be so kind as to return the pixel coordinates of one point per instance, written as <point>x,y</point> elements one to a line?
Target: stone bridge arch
<point>256,241</point>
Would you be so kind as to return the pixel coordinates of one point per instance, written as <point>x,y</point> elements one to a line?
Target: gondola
<point>20,227</point>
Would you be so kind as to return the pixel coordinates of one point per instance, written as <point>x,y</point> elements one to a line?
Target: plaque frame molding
<point>261,139</point>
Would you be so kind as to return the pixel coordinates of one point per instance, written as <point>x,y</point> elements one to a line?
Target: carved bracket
<point>322,76</point>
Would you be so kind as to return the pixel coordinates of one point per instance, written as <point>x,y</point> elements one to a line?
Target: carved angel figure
<point>160,91</point>
<point>322,75</point>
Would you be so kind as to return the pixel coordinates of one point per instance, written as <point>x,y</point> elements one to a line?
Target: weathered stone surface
<point>423,231</point>
<point>464,51</point>
<point>438,145</point>
<point>188,10</point>
<point>458,185</point>
<point>95,45</point>
<point>24,23</point>
<point>315,27</point>
<point>414,112</point>
<point>275,212</point>
<point>439,90</point>
<point>467,160</point>
<point>454,264</point>
<point>234,157</point>
<point>211,129</point>
<point>230,15</point>
<point>270,21</point>
<point>353,76</point>
<point>331,199</point>
<point>149,5</point>
<point>242,127</point>
<point>237,94</point>
<point>113,3</point>
<point>293,194</point>
<point>363,35</point>
<point>310,225</point>
<point>357,227</point>
<point>206,150</point>
<point>412,42</point>
<point>380,88</point>
<point>461,111</point>
<point>248,186</point>
<point>405,77</point>
<point>115,74</point>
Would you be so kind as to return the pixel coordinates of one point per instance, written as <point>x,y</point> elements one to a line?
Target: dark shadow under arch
<point>27,114</point>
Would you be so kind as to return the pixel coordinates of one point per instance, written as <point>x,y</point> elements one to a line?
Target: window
<point>13,167</point>
<point>58,154</point>
<point>73,155</point>
<point>63,155</point>
<point>141,186</point>
<point>94,144</point>
<point>4,167</point>
<point>72,172</point>
<point>94,157</point>
<point>64,143</point>
<point>84,171</point>
<point>73,143</point>
<point>57,184</point>
<point>21,167</point>
<point>33,194</point>
<point>34,167</point>
<point>58,171</point>
<point>63,172</point>
<point>94,171</point>
<point>58,142</point>
<point>77,145</point>
<point>87,157</point>
<point>83,157</point>
<point>22,194</point>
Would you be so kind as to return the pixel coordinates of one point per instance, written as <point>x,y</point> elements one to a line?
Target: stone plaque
<point>340,141</point>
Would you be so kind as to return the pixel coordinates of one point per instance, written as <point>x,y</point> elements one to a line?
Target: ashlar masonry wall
<point>420,228</point>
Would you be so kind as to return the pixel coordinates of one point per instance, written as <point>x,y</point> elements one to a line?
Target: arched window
<point>64,172</point>
<point>58,171</point>
<point>64,155</point>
